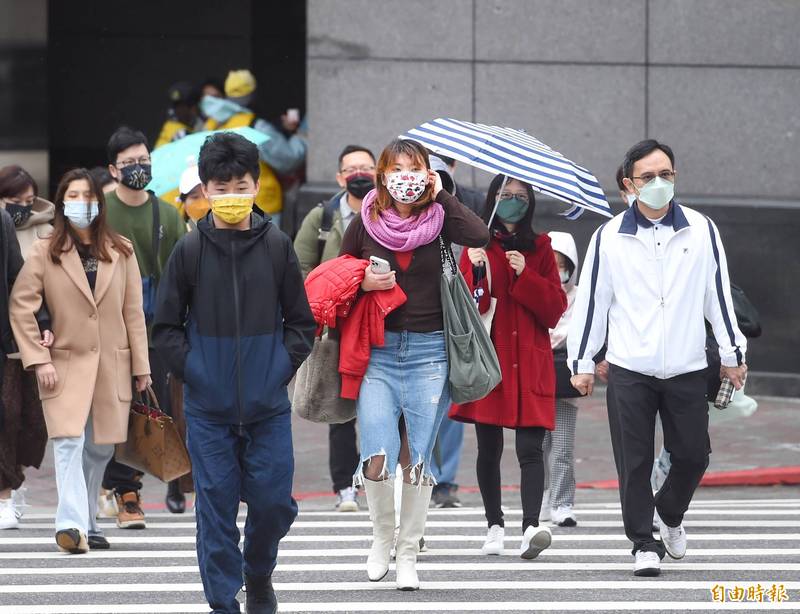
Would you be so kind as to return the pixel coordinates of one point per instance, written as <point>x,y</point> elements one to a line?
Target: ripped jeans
<point>408,377</point>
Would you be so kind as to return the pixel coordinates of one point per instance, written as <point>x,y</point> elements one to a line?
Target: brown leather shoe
<point>130,514</point>
<point>72,541</point>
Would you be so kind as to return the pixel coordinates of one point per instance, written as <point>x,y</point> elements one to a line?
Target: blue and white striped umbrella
<point>516,154</point>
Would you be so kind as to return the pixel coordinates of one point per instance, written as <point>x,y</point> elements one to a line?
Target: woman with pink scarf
<point>401,221</point>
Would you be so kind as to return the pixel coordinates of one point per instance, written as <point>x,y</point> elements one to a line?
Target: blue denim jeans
<point>253,463</point>
<point>406,377</point>
<point>79,464</point>
<point>446,459</point>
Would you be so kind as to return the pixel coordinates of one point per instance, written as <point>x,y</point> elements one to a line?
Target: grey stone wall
<point>719,80</point>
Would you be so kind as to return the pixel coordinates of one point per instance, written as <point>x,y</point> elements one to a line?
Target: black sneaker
<point>444,495</point>
<point>261,597</point>
<point>98,542</point>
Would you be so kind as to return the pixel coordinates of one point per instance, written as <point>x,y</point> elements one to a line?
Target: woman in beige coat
<point>93,287</point>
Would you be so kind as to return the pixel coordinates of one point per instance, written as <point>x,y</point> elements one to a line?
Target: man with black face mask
<point>154,227</point>
<point>320,239</point>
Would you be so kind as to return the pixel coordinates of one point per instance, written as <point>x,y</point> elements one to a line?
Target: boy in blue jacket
<point>235,335</point>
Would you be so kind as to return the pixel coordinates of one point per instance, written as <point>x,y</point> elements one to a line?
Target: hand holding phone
<point>379,265</point>
<point>378,275</point>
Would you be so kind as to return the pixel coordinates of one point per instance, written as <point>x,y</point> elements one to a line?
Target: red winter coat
<point>332,290</point>
<point>527,307</point>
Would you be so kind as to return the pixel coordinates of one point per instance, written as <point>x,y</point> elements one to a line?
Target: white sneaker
<point>647,564</point>
<point>347,500</point>
<point>563,516</point>
<point>107,504</point>
<point>18,501</point>
<point>544,513</point>
<point>674,540</point>
<point>8,518</point>
<point>495,540</point>
<point>534,540</point>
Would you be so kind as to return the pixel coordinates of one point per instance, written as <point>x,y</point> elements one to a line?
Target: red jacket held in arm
<point>333,290</point>
<point>527,307</point>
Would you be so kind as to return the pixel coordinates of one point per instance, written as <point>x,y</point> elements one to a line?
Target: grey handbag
<point>474,370</point>
<point>317,386</point>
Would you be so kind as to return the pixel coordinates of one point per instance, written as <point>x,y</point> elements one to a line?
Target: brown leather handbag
<point>154,444</point>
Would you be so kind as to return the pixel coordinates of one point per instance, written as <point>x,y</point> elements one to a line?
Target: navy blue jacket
<point>232,320</point>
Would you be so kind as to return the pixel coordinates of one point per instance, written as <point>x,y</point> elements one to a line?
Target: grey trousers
<point>79,464</point>
<point>559,454</point>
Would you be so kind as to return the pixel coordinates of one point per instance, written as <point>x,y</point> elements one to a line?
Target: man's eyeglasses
<point>357,169</point>
<point>131,162</point>
<point>508,195</point>
<point>648,177</point>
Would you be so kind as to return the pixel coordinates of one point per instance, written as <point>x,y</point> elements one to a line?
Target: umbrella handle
<point>497,201</point>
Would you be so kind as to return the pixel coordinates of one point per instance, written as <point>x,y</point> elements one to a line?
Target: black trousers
<point>529,454</point>
<point>343,457</point>
<point>633,401</point>
<point>119,477</point>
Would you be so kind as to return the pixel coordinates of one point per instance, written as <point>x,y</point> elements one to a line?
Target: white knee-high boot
<point>380,499</point>
<point>413,513</point>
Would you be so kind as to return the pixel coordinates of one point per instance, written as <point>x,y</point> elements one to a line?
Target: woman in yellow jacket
<point>91,279</point>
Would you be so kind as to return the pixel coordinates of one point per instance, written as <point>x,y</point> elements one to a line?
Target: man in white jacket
<point>652,276</point>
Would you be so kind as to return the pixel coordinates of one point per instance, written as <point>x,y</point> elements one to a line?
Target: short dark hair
<point>620,177</point>
<point>642,149</point>
<point>226,155</point>
<point>123,138</point>
<point>14,180</point>
<point>526,236</point>
<point>353,149</point>
<point>101,175</point>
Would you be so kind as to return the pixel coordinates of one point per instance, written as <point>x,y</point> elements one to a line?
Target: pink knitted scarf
<point>402,234</point>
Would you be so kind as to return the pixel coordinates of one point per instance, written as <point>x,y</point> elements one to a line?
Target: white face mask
<point>406,186</point>
<point>630,198</point>
<point>657,193</point>
<point>81,213</point>
<point>564,275</point>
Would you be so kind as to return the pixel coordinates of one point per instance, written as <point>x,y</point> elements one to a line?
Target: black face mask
<point>359,184</point>
<point>19,213</point>
<point>136,176</point>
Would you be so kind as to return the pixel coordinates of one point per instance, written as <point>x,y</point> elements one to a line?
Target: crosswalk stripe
<point>443,524</point>
<point>409,606</point>
<point>696,503</point>
<point>558,537</point>
<point>189,587</point>
<point>525,606</point>
<point>553,551</point>
<point>494,566</point>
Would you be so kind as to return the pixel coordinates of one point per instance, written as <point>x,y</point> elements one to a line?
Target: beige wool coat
<point>100,339</point>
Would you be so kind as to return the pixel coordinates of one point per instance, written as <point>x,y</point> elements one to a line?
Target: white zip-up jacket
<point>650,287</point>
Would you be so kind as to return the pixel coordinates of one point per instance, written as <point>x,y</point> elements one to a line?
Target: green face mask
<point>512,210</point>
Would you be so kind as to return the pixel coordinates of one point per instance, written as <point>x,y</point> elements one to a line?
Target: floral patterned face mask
<point>406,186</point>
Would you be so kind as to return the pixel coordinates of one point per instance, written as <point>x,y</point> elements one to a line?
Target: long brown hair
<point>391,152</point>
<point>64,237</point>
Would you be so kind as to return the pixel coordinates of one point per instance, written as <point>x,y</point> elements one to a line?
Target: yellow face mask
<point>197,209</point>
<point>232,208</point>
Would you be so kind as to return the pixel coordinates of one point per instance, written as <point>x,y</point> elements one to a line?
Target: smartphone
<point>293,115</point>
<point>379,265</point>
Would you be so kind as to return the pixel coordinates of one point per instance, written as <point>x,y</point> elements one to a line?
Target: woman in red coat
<point>526,285</point>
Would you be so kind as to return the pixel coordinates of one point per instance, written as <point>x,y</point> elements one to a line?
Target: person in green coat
<point>130,213</point>
<point>314,245</point>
